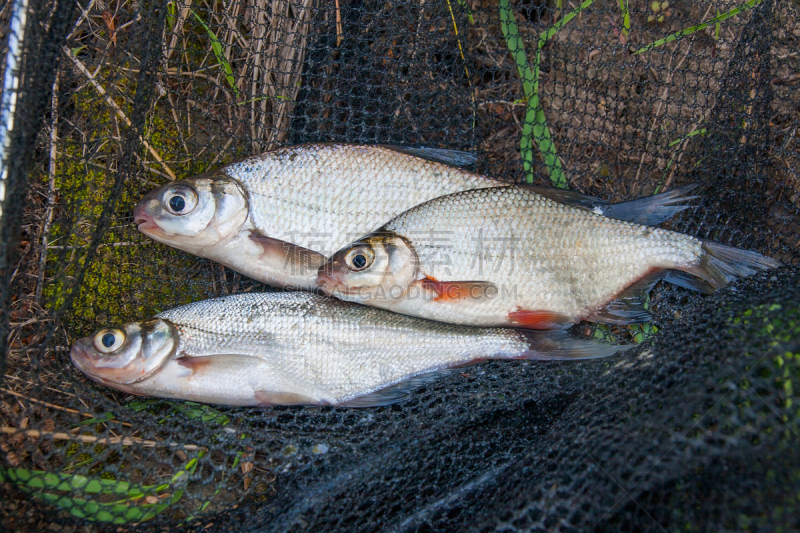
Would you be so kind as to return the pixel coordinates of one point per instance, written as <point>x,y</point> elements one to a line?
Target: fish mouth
<point>143,221</point>
<point>79,356</point>
<point>331,282</point>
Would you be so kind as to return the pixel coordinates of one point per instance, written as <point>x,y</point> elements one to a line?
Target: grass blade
<point>626,17</point>
<point>695,132</point>
<point>555,28</point>
<point>693,29</point>
<point>535,128</point>
<point>98,499</point>
<point>216,47</point>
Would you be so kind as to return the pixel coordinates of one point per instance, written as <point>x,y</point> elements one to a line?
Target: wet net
<point>695,428</point>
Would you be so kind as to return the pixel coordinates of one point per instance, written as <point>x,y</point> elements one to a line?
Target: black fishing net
<point>695,428</point>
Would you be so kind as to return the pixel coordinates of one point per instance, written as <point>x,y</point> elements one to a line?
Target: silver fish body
<point>507,256</point>
<point>277,216</point>
<point>298,348</point>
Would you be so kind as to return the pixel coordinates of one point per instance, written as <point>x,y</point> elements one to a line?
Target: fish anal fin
<point>459,290</point>
<point>539,319</point>
<point>283,398</point>
<point>628,306</point>
<point>561,346</point>
<point>621,312</point>
<point>687,280</point>
<point>397,392</point>
<point>293,255</point>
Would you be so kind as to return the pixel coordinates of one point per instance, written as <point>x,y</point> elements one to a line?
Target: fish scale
<point>304,203</point>
<point>538,263</point>
<point>290,348</point>
<point>276,217</point>
<point>302,343</point>
<point>582,259</point>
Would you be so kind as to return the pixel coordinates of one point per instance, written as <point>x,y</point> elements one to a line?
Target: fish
<point>507,256</point>
<point>278,216</point>
<point>292,348</point>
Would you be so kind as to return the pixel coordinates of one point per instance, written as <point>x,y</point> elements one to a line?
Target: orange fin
<point>196,364</point>
<point>525,318</point>
<point>459,290</point>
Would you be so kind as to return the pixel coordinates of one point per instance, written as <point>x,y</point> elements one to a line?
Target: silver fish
<point>507,256</point>
<point>277,216</point>
<point>299,348</point>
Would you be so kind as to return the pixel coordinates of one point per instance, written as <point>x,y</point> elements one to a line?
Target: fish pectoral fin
<point>397,392</point>
<point>459,290</point>
<point>628,306</point>
<point>283,398</point>
<point>538,319</point>
<point>196,365</point>
<point>456,158</point>
<point>561,346</point>
<point>292,255</point>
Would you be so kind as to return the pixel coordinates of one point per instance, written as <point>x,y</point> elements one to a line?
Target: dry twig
<point>91,439</point>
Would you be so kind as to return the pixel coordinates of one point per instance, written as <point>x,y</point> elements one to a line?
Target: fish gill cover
<point>695,428</point>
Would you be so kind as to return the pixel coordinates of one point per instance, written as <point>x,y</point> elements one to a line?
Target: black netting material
<point>695,428</point>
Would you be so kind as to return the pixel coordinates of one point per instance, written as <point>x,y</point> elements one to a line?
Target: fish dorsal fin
<point>652,210</point>
<point>628,307</point>
<point>567,197</point>
<point>456,158</point>
<point>648,211</point>
<point>295,256</point>
<point>397,392</point>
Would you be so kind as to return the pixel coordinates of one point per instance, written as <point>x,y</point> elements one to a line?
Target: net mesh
<point>694,428</point>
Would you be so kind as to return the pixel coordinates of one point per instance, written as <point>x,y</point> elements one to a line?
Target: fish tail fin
<point>718,266</point>
<point>561,346</point>
<point>652,210</point>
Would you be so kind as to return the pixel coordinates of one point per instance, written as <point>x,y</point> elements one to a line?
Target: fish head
<point>378,267</point>
<point>193,214</point>
<point>120,357</point>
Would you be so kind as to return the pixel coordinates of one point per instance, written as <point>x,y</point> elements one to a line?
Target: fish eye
<point>359,258</point>
<point>181,200</point>
<point>109,340</point>
<point>177,203</point>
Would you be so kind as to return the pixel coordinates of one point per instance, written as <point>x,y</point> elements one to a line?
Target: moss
<point>126,279</point>
<point>777,328</point>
